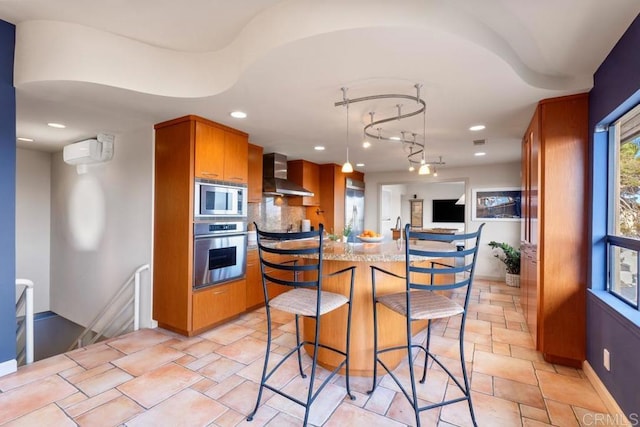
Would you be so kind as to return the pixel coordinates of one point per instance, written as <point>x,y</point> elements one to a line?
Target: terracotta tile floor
<point>158,378</point>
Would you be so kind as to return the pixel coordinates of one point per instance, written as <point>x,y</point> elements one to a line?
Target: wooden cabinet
<point>209,157</point>
<point>217,303</point>
<point>529,287</point>
<point>306,174</point>
<point>555,228</point>
<point>182,147</point>
<point>236,152</point>
<point>254,294</point>
<point>255,174</point>
<point>221,153</point>
<point>173,230</point>
<point>333,188</point>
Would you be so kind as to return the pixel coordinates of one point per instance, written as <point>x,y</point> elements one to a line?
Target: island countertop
<point>385,251</point>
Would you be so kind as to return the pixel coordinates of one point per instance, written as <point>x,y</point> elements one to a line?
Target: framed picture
<point>416,212</point>
<point>496,204</point>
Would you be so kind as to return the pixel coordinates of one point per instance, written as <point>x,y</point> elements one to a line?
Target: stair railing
<point>24,322</point>
<point>112,313</point>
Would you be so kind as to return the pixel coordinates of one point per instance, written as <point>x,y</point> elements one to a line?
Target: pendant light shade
<point>347,167</point>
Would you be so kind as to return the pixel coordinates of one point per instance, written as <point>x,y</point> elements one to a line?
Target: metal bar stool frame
<point>267,245</point>
<point>463,273</point>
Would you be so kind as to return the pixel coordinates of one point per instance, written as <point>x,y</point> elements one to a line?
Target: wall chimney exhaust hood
<point>274,181</point>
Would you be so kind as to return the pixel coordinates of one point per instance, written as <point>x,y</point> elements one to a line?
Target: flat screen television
<point>446,210</point>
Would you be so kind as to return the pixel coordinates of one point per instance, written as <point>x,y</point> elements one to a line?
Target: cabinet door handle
<point>236,178</point>
<point>221,292</point>
<point>209,173</point>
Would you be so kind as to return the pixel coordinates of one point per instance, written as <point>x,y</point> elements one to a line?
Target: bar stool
<point>421,301</point>
<point>305,297</point>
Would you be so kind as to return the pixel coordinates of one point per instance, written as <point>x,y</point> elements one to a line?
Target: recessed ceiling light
<point>366,144</point>
<point>319,148</point>
<point>25,139</point>
<point>56,125</point>
<point>238,114</point>
<point>480,153</point>
<point>476,128</point>
<point>360,165</point>
<point>395,138</point>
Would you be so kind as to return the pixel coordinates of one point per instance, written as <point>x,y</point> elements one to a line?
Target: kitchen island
<point>389,255</point>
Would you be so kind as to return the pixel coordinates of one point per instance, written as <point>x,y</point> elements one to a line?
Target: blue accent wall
<point>7,194</point>
<point>610,323</point>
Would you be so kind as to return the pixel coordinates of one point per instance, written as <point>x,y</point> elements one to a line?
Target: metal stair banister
<point>135,299</point>
<point>26,324</point>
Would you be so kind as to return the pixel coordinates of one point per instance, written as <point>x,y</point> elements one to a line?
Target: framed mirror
<point>416,213</point>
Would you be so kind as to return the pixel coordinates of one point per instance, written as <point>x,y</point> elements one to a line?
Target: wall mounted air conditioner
<point>89,151</point>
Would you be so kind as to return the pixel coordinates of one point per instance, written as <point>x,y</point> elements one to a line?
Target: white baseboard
<point>609,401</point>
<point>8,367</point>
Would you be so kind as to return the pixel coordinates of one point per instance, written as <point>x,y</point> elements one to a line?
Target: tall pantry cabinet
<point>187,148</point>
<point>555,228</point>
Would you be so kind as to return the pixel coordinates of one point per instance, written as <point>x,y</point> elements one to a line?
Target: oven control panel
<point>226,227</point>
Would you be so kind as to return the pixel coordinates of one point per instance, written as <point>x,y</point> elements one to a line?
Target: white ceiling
<point>117,65</point>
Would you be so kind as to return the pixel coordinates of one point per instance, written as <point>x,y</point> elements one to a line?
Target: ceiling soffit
<point>53,50</point>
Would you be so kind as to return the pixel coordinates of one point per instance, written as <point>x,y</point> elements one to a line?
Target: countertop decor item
<point>368,239</point>
<point>346,232</point>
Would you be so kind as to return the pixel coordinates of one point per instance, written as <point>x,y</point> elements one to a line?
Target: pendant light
<point>346,167</point>
<point>424,167</point>
<point>373,132</point>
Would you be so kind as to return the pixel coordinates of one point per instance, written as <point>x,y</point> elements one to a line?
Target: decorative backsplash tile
<point>274,214</point>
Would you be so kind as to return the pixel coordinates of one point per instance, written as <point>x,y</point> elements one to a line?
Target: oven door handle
<point>214,235</point>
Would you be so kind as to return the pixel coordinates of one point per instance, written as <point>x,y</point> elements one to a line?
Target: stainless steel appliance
<point>213,200</point>
<point>275,182</point>
<point>219,252</point>
<point>354,207</point>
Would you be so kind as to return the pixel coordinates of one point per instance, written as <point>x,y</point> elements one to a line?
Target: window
<point>623,240</point>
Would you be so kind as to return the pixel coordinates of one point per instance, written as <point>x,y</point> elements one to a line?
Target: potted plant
<point>510,256</point>
<point>346,232</point>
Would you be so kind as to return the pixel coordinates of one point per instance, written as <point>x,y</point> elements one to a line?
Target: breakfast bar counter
<point>389,255</point>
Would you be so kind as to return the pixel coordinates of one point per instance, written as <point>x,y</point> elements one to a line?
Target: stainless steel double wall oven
<point>219,233</point>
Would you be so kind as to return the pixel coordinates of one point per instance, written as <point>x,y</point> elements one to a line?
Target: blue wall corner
<point>616,89</point>
<point>7,194</point>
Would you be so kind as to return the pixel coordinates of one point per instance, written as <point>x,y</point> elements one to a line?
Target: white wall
<point>110,209</point>
<point>490,176</point>
<point>429,191</point>
<point>33,222</point>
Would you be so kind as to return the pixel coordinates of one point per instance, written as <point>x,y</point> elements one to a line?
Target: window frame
<point>614,240</point>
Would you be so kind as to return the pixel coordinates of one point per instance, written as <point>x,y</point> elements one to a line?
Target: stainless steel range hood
<point>274,181</point>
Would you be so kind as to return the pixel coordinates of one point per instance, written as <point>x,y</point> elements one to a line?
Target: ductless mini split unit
<point>89,151</point>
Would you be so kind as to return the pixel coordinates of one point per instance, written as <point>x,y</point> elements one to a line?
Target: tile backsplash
<point>274,214</point>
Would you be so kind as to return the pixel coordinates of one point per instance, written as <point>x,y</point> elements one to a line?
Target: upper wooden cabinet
<point>255,174</point>
<point>555,228</point>
<point>236,154</point>
<point>209,158</point>
<point>306,174</point>
<point>221,152</point>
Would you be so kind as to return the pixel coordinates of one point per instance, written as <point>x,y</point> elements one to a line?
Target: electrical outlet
<point>606,359</point>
